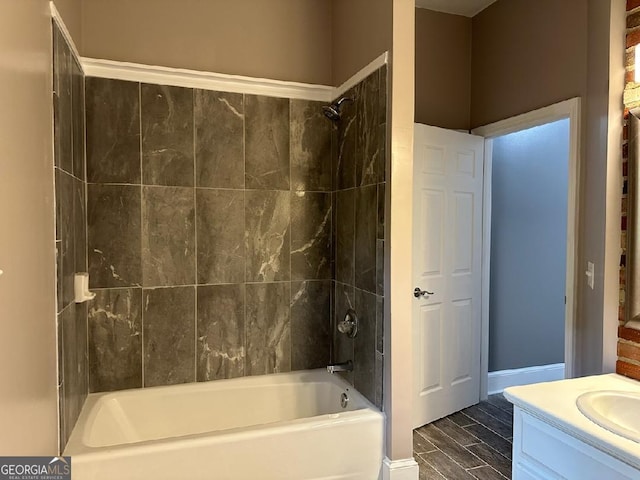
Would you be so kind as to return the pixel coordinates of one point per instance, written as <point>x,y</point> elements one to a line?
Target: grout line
<point>142,309</point>
<point>244,230</point>
<point>195,237</point>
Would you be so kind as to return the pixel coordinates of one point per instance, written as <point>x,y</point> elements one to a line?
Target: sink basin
<point>618,412</point>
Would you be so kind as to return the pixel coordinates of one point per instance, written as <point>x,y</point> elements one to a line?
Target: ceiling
<point>468,8</point>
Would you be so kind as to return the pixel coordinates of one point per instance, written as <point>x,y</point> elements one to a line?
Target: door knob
<point>421,293</point>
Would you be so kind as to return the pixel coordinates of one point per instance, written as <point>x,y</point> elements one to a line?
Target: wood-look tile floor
<point>472,444</point>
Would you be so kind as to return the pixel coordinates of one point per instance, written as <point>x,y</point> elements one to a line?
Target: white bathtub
<point>284,426</point>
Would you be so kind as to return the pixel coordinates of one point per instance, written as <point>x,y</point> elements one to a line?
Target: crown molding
<point>361,75</point>
<point>180,77</point>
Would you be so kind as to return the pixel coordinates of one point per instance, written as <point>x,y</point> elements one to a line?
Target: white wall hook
<point>81,287</point>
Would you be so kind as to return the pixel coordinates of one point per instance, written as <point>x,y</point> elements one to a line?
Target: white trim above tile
<point>55,15</point>
<point>180,77</point>
<point>361,75</point>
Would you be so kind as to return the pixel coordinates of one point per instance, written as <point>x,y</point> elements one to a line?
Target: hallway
<point>474,443</point>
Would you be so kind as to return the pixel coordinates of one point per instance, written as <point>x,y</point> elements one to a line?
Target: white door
<point>447,248</point>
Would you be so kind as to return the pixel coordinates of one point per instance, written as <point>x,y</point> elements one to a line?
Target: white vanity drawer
<point>541,451</point>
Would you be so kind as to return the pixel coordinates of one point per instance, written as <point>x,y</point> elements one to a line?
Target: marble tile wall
<point>71,243</point>
<point>359,164</point>
<point>210,234</point>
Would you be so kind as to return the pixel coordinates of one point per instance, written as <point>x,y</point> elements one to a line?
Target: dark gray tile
<point>310,324</point>
<point>382,122</point>
<point>82,345</point>
<point>380,324</point>
<point>267,236</point>
<point>379,394</point>
<point>381,154</point>
<point>461,419</point>
<point>59,282</point>
<point>446,465</point>
<point>447,445</point>
<point>71,379</point>
<point>365,344</point>
<point>168,320</point>
<point>343,346</point>
<point>62,434</point>
<point>421,444</point>
<point>310,147</point>
<point>115,340</point>
<point>485,473</point>
<point>80,225</point>
<point>333,234</point>
<point>267,143</point>
<point>77,101</point>
<point>168,236</point>
<point>489,421</point>
<point>167,135</point>
<point>365,238</point>
<point>380,267</point>
<point>345,166</point>
<point>334,156</point>
<point>220,233</point>
<point>499,462</point>
<point>426,471</point>
<point>221,332</point>
<point>382,95</point>
<point>219,123</point>
<point>381,211</point>
<point>63,113</point>
<point>114,229</point>
<point>368,144</point>
<point>456,432</point>
<point>113,131</point>
<point>505,416</point>
<point>345,236</point>
<point>310,236</point>
<point>492,439</point>
<point>268,328</point>
<point>65,226</point>
<point>499,401</point>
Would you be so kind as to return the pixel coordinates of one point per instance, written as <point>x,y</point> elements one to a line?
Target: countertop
<point>555,403</point>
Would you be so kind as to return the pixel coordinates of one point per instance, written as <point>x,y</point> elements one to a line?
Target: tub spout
<point>340,367</point>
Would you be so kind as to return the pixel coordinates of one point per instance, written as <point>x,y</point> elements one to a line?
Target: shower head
<point>332,112</point>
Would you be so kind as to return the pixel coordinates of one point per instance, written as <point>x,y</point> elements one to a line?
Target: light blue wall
<point>528,247</point>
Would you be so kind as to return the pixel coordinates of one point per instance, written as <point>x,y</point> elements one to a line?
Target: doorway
<point>529,175</point>
<point>442,364</point>
<point>496,136</point>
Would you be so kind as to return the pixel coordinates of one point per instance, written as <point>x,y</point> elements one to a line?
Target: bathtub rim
<point>76,446</point>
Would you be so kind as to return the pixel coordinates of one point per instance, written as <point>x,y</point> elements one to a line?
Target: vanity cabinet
<point>542,451</point>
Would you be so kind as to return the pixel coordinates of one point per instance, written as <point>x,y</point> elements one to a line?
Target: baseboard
<point>405,469</point>
<point>502,379</point>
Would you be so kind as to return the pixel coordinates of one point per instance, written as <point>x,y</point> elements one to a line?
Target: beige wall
<point>361,32</point>
<point>443,69</point>
<point>71,13</point>
<point>398,344</point>
<point>526,55</point>
<point>278,39</point>
<point>28,397</point>
<point>600,228</point>
<point>555,51</point>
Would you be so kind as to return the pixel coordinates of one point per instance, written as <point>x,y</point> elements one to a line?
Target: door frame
<point>567,109</point>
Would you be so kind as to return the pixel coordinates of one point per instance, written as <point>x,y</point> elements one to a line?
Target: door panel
<point>447,236</point>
